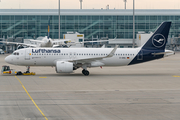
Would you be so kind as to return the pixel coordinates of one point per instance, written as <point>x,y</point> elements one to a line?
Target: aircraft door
<point>27,54</point>
<point>140,55</point>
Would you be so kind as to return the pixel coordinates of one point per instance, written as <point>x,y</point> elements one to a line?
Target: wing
<point>167,52</point>
<point>57,43</point>
<point>90,60</point>
<point>62,41</point>
<point>98,41</point>
<point>37,41</point>
<point>16,43</point>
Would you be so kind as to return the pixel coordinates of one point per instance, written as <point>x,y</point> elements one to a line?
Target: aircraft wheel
<point>85,72</point>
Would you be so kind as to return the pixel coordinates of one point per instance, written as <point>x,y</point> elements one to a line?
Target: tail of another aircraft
<point>159,39</point>
<point>48,27</point>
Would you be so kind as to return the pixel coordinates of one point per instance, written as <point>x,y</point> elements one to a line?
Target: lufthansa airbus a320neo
<point>66,60</point>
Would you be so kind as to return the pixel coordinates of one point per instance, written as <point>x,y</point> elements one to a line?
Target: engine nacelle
<point>64,67</point>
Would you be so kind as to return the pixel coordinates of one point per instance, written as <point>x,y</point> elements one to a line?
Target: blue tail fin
<point>159,39</point>
<point>155,44</point>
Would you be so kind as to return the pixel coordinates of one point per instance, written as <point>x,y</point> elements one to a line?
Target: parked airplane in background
<point>45,42</point>
<point>48,42</point>
<point>68,59</point>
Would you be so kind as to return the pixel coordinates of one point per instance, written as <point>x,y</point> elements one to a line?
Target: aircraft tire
<point>85,72</point>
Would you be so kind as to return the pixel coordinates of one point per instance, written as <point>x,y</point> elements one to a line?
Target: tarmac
<point>147,91</point>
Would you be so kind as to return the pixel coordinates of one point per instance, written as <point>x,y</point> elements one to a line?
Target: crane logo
<point>158,40</point>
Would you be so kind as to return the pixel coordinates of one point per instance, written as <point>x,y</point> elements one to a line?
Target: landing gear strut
<point>28,68</point>
<point>85,72</point>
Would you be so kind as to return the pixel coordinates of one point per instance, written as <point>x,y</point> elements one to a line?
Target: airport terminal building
<point>109,23</point>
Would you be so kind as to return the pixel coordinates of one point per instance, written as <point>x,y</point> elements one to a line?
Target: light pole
<point>133,27</point>
<point>125,4</point>
<point>59,22</point>
<point>81,3</point>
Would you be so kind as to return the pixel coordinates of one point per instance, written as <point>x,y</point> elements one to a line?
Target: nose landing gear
<point>28,68</point>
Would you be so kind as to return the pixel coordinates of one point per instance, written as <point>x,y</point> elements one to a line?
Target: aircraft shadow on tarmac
<point>120,75</point>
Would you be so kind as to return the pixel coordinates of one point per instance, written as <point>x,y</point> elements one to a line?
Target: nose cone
<point>8,59</point>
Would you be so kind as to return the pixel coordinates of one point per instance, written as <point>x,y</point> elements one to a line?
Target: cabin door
<point>27,54</point>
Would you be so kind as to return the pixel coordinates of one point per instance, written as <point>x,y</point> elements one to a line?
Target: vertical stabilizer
<point>155,46</point>
<point>159,39</point>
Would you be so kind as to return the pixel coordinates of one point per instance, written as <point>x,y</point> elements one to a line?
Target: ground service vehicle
<point>6,70</point>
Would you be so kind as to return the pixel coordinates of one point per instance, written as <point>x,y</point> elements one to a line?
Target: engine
<point>64,67</point>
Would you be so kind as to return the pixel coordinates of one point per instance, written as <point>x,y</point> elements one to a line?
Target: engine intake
<point>64,67</point>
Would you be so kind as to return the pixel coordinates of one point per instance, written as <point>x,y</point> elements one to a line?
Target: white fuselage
<point>36,56</point>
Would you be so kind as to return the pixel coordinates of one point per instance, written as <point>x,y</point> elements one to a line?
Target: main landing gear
<point>85,72</point>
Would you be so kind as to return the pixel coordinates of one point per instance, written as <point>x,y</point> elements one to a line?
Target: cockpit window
<point>15,53</point>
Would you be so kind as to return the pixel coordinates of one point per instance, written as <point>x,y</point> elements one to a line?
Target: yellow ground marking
<point>176,76</point>
<point>31,98</point>
<point>42,77</point>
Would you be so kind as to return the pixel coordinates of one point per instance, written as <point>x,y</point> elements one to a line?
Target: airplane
<point>48,42</point>
<point>66,60</point>
<point>45,42</point>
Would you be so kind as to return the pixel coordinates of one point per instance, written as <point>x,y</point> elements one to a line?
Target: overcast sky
<point>89,4</point>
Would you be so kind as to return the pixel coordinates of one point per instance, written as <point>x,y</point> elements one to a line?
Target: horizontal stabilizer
<point>167,52</point>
